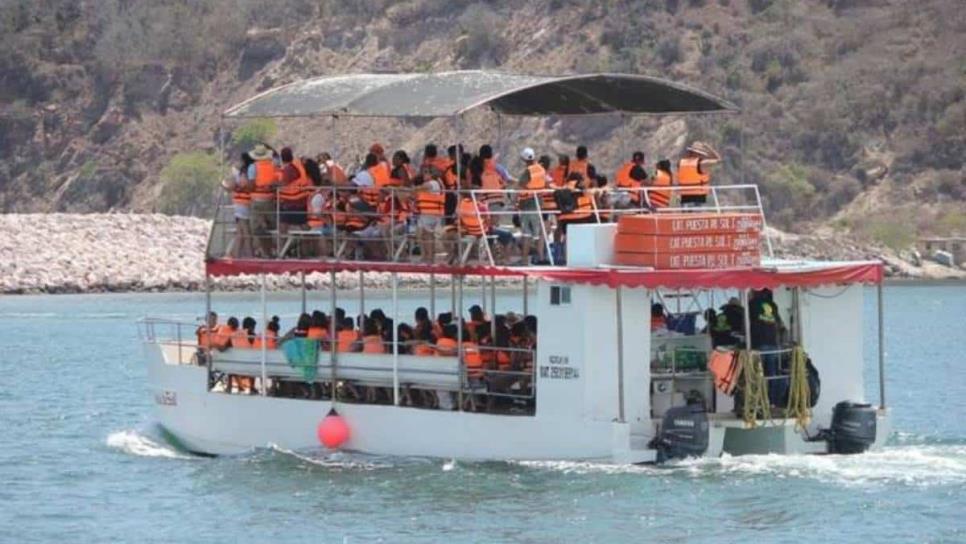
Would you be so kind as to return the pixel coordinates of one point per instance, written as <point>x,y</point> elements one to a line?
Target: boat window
<point>559,294</point>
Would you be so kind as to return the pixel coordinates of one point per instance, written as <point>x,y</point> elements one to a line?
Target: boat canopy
<point>771,275</point>
<point>447,94</point>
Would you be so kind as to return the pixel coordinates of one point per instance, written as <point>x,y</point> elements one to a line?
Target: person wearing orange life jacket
<point>432,159</point>
<point>472,358</point>
<point>370,180</point>
<point>662,178</point>
<point>241,196</point>
<point>211,335</point>
<point>629,179</point>
<point>268,339</point>
<point>264,177</point>
<point>530,184</point>
<point>318,329</point>
<point>332,172</point>
<point>293,192</point>
<point>581,165</point>
<point>422,344</point>
<point>371,341</point>
<point>380,153</point>
<point>395,207</point>
<point>583,211</point>
<point>346,336</point>
<point>694,173</point>
<point>430,208</point>
<point>402,173</point>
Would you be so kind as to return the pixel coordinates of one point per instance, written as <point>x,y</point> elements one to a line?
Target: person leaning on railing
<point>240,188</point>
<point>531,182</point>
<point>430,207</point>
<point>694,173</point>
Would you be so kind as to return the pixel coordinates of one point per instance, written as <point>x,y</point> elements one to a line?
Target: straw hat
<point>260,152</point>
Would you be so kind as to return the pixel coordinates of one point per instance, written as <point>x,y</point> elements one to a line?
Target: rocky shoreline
<point>88,253</point>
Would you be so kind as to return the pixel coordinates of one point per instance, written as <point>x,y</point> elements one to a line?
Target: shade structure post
<point>458,319</point>
<point>432,296</point>
<point>395,339</point>
<point>744,304</point>
<point>333,335</point>
<point>620,356</point>
<point>362,300</point>
<point>493,310</point>
<point>207,329</point>
<point>264,360</point>
<point>304,301</point>
<point>526,288</point>
<point>881,346</point>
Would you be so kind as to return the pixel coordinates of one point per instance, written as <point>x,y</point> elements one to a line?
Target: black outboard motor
<point>684,433</point>
<point>853,428</point>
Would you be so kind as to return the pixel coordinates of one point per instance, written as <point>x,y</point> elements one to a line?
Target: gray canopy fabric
<point>452,93</point>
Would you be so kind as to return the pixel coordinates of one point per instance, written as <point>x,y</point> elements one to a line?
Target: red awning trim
<point>747,278</point>
<point>751,278</point>
<point>234,267</point>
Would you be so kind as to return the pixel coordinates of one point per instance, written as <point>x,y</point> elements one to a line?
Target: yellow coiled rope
<point>754,389</point>
<point>799,392</point>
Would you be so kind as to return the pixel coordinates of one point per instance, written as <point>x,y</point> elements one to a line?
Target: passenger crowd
<point>497,354</point>
<point>388,201</point>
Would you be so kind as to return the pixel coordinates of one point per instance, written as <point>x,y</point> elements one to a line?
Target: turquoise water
<point>80,460</point>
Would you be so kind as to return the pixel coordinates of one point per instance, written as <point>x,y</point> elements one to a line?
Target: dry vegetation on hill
<point>854,110</point>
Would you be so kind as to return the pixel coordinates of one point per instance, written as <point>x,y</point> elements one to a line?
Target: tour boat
<point>602,386</point>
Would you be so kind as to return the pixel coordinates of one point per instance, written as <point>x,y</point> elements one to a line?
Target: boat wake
<point>914,465</point>
<point>140,443</point>
<point>340,459</point>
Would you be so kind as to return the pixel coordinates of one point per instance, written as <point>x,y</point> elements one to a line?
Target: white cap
<point>527,154</point>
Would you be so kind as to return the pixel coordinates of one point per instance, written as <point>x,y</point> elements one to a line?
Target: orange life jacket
<point>537,182</point>
<point>624,180</point>
<point>584,209</point>
<point>424,350</point>
<point>295,190</point>
<point>472,359</point>
<point>317,333</point>
<point>428,203</point>
<point>394,210</point>
<point>240,339</point>
<point>398,182</point>
<point>470,220</point>
<point>446,347</point>
<point>723,365</point>
<point>372,343</point>
<point>241,195</point>
<point>503,360</point>
<point>660,199</point>
<point>337,174</point>
<point>266,174</point>
<point>558,175</point>
<point>217,338</point>
<point>579,167</point>
<point>314,218</point>
<point>269,339</point>
<point>491,180</point>
<point>690,175</point>
<point>345,340</point>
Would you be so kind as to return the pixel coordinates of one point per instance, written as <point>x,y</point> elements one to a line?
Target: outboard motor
<point>684,433</point>
<point>853,428</point>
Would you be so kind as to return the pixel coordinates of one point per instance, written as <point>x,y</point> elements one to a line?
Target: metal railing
<point>517,383</point>
<point>385,224</point>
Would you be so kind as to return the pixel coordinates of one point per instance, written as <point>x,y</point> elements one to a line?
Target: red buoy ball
<point>333,431</point>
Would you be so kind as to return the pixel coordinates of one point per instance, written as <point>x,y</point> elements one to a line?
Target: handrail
<point>381,222</point>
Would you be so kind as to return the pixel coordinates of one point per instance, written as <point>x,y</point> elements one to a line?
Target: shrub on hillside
<point>669,50</point>
<point>481,44</point>
<point>257,130</point>
<point>188,183</point>
<point>893,231</point>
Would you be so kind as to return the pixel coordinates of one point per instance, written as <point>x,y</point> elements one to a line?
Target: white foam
<point>135,443</point>
<point>335,460</point>
<point>918,465</point>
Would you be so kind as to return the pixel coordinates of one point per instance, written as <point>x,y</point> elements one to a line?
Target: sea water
<point>82,461</point>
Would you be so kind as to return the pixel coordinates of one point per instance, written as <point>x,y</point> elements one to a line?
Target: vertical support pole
<point>264,388</point>
<point>362,300</point>
<point>620,357</point>
<point>304,301</point>
<point>207,328</point>
<point>483,292</point>
<point>395,340</point>
<point>432,296</point>
<point>881,346</point>
<point>493,310</point>
<point>526,295</point>
<point>744,304</point>
<point>333,335</point>
<point>458,319</point>
<point>452,296</point>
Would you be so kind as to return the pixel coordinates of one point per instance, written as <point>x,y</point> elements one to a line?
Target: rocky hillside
<point>854,110</point>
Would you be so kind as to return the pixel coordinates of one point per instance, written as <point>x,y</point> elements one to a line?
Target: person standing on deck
<point>629,179</point>
<point>293,192</point>
<point>694,173</point>
<point>766,326</point>
<point>581,166</point>
<point>264,177</point>
<point>530,182</point>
